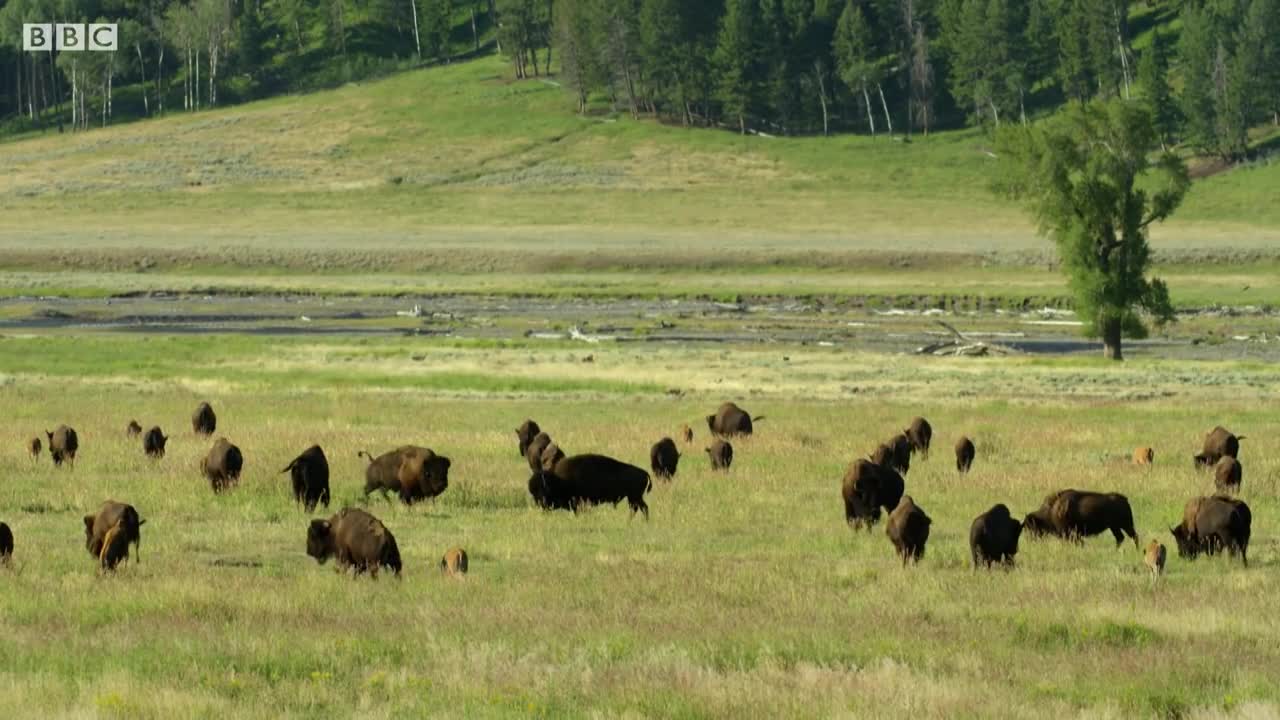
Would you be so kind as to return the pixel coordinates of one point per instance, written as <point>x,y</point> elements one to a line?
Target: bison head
<point>88,531</point>
<point>1038,523</point>
<point>1188,545</point>
<point>711,423</point>
<point>320,540</point>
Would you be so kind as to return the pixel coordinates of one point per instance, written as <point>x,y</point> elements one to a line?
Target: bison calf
<point>590,480</point>
<point>908,530</point>
<point>133,430</point>
<point>1144,456</point>
<point>964,454</point>
<point>310,474</point>
<point>454,562</point>
<point>109,532</point>
<point>153,443</point>
<point>1154,558</point>
<point>1212,524</point>
<point>63,443</point>
<point>222,465</point>
<point>358,540</point>
<point>664,458</point>
<point>993,537</point>
<point>1227,474</point>
<point>686,434</point>
<point>721,454</point>
<point>34,446</point>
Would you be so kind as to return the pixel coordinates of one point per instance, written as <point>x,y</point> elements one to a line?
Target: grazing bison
<point>527,431</point>
<point>533,453</point>
<point>908,530</point>
<point>1144,456</point>
<point>153,443</point>
<point>731,420</point>
<point>222,465</point>
<point>414,473</point>
<point>993,537</point>
<point>63,443</point>
<point>866,488</point>
<point>133,430</point>
<point>663,458</point>
<point>721,454</point>
<point>6,544</point>
<point>590,480</point>
<point>203,420</point>
<point>1219,443</point>
<point>108,534</point>
<point>919,434</point>
<point>1227,474</point>
<point>454,562</point>
<point>1077,514</point>
<point>310,474</point>
<point>357,539</point>
<point>1212,524</point>
<point>34,446</point>
<point>964,454</point>
<point>551,454</point>
<point>901,458</point>
<point>686,433</point>
<point>1154,558</point>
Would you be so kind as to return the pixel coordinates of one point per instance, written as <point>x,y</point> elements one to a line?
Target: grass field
<point>744,595</point>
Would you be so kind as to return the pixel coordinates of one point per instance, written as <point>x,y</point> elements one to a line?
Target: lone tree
<point>1089,179</point>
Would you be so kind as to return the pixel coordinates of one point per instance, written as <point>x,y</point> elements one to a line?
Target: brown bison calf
<point>664,458</point>
<point>1144,456</point>
<point>730,421</point>
<point>222,465</point>
<point>1219,443</point>
<point>1212,524</point>
<point>993,537</point>
<point>6,544</point>
<point>63,443</point>
<point>525,434</point>
<point>866,488</point>
<point>358,540</point>
<point>34,446</point>
<point>153,443</point>
<point>108,534</point>
<point>964,454</point>
<point>1154,558</point>
<point>454,562</point>
<point>310,475</point>
<point>133,430</point>
<point>721,454</point>
<point>590,480</point>
<point>908,530</point>
<point>686,433</point>
<point>1228,474</point>
<point>920,435</point>
<point>203,420</point>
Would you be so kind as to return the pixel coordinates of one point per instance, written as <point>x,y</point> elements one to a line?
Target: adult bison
<point>109,532</point>
<point>721,454</point>
<point>133,430</point>
<point>883,455</point>
<point>153,443</point>
<point>730,421</point>
<point>866,488</point>
<point>993,537</point>
<point>1212,524</point>
<point>900,458</point>
<point>414,473</point>
<point>525,434</point>
<point>1077,514</point>
<point>222,465</point>
<point>310,474</point>
<point>34,446</point>
<point>908,530</point>
<point>965,452</point>
<point>1228,474</point>
<point>203,420</point>
<point>6,544</point>
<point>920,434</point>
<point>63,444</point>
<point>1219,443</point>
<point>533,451</point>
<point>590,480</point>
<point>358,540</point>
<point>664,458</point>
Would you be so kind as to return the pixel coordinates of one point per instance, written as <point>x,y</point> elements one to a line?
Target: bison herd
<point>871,486</point>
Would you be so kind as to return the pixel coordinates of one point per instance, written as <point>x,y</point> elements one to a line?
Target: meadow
<point>744,595</point>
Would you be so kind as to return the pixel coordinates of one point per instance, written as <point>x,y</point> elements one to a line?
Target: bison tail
<point>757,418</point>
<point>649,483</point>
<point>1240,437</point>
<point>364,454</point>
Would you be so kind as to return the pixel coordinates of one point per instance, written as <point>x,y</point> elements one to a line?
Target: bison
<point>454,562</point>
<point>1077,514</point>
<point>203,420</point>
<point>310,474</point>
<point>993,537</point>
<point>525,434</point>
<point>1227,474</point>
<point>34,446</point>
<point>1154,558</point>
<point>109,532</point>
<point>664,458</point>
<point>222,465</point>
<point>153,443</point>
<point>866,488</point>
<point>901,457</point>
<point>721,454</point>
<point>964,454</point>
<point>6,544</point>
<point>414,473</point>
<point>590,480</point>
<point>63,443</point>
<point>882,456</point>
<point>133,430</point>
<point>1212,524</point>
<point>551,454</point>
<point>908,530</point>
<point>686,433</point>
<point>1219,443</point>
<point>358,540</point>
<point>1144,456</point>
<point>730,421</point>
<point>919,433</point>
<point>533,452</point>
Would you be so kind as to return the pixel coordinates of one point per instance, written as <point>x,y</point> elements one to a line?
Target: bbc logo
<point>71,37</point>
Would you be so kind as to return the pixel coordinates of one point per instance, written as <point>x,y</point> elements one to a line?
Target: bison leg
<point>638,505</point>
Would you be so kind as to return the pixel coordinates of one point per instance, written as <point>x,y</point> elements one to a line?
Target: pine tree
<point>854,52</point>
<point>1196,54</point>
<point>1153,76</point>
<point>736,60</point>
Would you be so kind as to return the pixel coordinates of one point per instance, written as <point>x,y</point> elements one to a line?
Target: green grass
<point>744,595</point>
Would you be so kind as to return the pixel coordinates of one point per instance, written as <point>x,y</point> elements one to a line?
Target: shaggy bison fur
<point>964,454</point>
<point>551,454</point>
<point>153,443</point>
<point>1077,514</point>
<point>525,434</point>
<point>203,420</point>
<point>310,474</point>
<point>920,434</point>
<point>414,473</point>
<point>993,537</point>
<point>721,454</point>
<point>1219,443</point>
<point>1212,524</point>
<point>358,540</point>
<point>1227,474</point>
<point>590,480</point>
<point>222,465</point>
<point>730,421</point>
<point>109,532</point>
<point>63,443</point>
<point>866,488</point>
<point>908,530</point>
<point>664,458</point>
<point>533,452</point>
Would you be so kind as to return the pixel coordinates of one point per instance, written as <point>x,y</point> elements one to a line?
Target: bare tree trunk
<point>1111,340</point>
<point>142,71</point>
<point>995,112</point>
<point>475,32</point>
<point>871,118</point>
<point>888,122</point>
<point>159,84</point>
<point>822,99</point>
<point>18,76</point>
<point>75,117</point>
<point>417,44</point>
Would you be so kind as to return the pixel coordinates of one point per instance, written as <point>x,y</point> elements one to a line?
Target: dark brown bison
<point>721,454</point>
<point>414,473</point>
<point>222,465</point>
<point>454,562</point>
<point>203,420</point>
<point>590,480</point>
<point>883,456</point>
<point>964,454</point>
<point>901,458</point>
<point>993,537</point>
<point>153,443</point>
<point>1077,514</point>
<point>1228,474</point>
<point>527,431</point>
<point>357,539</point>
<point>6,544</point>
<point>730,421</point>
<point>664,458</point>
<point>868,487</point>
<point>533,453</point>
<point>1219,443</point>
<point>908,530</point>
<point>551,454</point>
<point>108,534</point>
<point>1144,456</point>
<point>63,443</point>
<point>686,433</point>
<point>919,433</point>
<point>34,446</point>
<point>310,474</point>
<point>1212,524</point>
<point>133,430</point>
